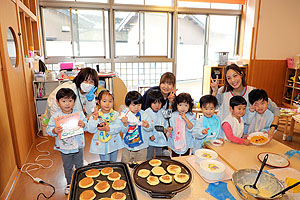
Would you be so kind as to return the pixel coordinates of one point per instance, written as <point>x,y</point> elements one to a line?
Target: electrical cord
<point>42,194</point>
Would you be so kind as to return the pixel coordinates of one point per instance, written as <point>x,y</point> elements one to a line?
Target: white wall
<point>279,30</point>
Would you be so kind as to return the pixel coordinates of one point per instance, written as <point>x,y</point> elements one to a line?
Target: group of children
<point>153,133</point>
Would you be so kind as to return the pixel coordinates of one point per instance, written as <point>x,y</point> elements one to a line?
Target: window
<point>149,39</point>
<point>146,2</point>
<point>209,5</point>
<point>57,30</point>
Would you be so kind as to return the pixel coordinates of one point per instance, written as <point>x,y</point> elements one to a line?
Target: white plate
<point>258,134</point>
<point>274,160</point>
<point>217,142</point>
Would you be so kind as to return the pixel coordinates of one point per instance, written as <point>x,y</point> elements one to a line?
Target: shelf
<point>289,86</point>
<point>42,98</point>
<point>287,99</point>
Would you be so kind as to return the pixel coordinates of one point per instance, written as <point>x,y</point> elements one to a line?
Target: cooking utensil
<point>252,188</point>
<point>167,113</point>
<point>286,189</point>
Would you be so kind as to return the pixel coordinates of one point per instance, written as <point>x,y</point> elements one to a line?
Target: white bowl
<point>260,134</point>
<point>212,170</point>
<point>205,154</point>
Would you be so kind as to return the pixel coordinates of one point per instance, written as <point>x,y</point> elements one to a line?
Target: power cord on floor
<point>28,167</point>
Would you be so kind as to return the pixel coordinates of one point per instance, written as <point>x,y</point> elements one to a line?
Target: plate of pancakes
<point>162,178</point>
<point>102,180</point>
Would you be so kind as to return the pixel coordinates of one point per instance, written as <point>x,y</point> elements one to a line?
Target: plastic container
<point>290,63</point>
<point>222,58</point>
<point>31,52</point>
<point>39,77</point>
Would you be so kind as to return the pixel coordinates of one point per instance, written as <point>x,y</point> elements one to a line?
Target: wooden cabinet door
<point>14,81</point>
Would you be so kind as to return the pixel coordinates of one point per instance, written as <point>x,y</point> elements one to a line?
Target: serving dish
<point>274,160</point>
<point>258,138</point>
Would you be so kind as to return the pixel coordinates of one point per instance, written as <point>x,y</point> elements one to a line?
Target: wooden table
<point>241,156</point>
<point>196,189</point>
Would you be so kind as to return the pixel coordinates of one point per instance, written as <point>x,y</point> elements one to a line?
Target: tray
<point>162,190</point>
<point>79,174</point>
<point>228,171</point>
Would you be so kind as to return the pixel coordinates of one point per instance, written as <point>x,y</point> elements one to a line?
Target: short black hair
<point>154,96</point>
<point>65,92</point>
<point>236,101</point>
<point>133,97</point>
<point>206,99</point>
<point>84,74</point>
<point>183,98</point>
<point>256,95</point>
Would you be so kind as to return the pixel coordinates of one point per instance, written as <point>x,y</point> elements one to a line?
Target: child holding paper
<point>71,147</point>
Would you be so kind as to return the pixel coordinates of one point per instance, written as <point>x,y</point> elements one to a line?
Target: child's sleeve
<point>116,127</point>
<point>273,108</point>
<point>147,118</point>
<point>248,117</point>
<point>83,118</point>
<point>269,121</point>
<point>92,125</point>
<point>50,127</point>
<point>192,119</point>
<point>229,134</point>
<point>197,130</point>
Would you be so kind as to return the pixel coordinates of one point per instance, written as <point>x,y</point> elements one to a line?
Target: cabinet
<point>213,71</point>
<point>291,91</point>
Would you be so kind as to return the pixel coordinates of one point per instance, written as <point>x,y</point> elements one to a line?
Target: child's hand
<point>165,130</point>
<point>252,108</point>
<point>145,124</point>
<point>152,138</point>
<point>172,96</point>
<point>105,128</point>
<point>57,130</point>
<point>205,131</point>
<point>214,83</point>
<point>270,135</point>
<point>81,124</point>
<point>124,120</point>
<point>244,136</point>
<point>95,113</point>
<point>170,129</point>
<point>246,142</point>
<point>183,116</point>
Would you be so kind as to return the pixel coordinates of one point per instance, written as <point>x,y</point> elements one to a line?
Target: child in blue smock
<point>182,122</point>
<point>208,127</point>
<point>137,130</point>
<point>158,142</point>
<point>71,148</point>
<point>106,127</point>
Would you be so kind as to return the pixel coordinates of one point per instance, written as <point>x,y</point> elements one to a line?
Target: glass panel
<point>11,46</point>
<point>57,30</point>
<point>127,33</point>
<point>154,33</point>
<point>193,4</point>
<point>226,6</point>
<point>190,54</point>
<point>159,2</point>
<point>222,36</point>
<point>97,1</point>
<point>140,2</point>
<point>88,32</point>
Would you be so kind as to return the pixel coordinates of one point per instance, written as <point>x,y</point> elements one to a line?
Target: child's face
<point>106,103</point>
<point>156,106</point>
<point>166,88</point>
<point>135,108</point>
<point>183,107</point>
<point>208,110</point>
<point>238,111</point>
<point>234,79</point>
<point>260,106</point>
<point>66,104</point>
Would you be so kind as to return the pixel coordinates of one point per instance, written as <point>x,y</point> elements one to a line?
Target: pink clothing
<point>229,134</point>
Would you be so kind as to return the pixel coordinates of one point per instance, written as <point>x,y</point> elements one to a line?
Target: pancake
<point>118,196</point>
<point>107,170</point>
<point>102,186</point>
<point>114,176</point>
<point>105,198</point>
<point>119,184</point>
<point>158,171</point>
<point>143,173</point>
<point>87,195</point>
<point>181,178</point>
<point>166,178</point>
<point>152,180</point>
<point>86,182</point>
<point>155,162</point>
<point>174,169</point>
<point>92,173</point>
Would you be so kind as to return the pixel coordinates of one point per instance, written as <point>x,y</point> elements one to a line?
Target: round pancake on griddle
<point>174,169</point>
<point>118,196</point>
<point>87,195</point>
<point>119,184</point>
<point>92,173</point>
<point>143,173</point>
<point>166,178</point>
<point>107,170</point>
<point>181,178</point>
<point>102,186</point>
<point>86,182</point>
<point>158,171</point>
<point>105,198</point>
<point>152,180</point>
<point>155,162</point>
<point>114,176</point>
